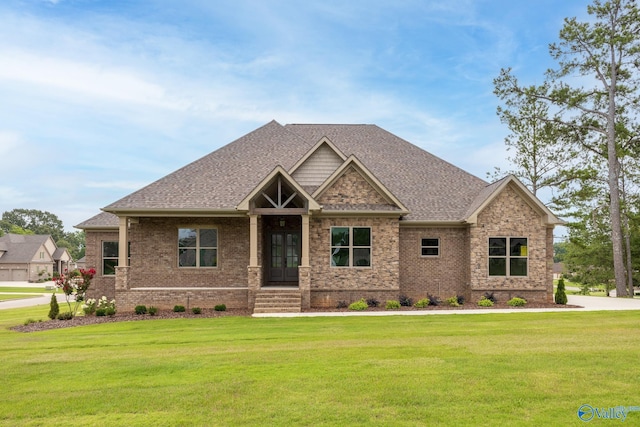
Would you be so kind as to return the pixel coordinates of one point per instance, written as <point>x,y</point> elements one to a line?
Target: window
<point>110,257</point>
<point>508,256</point>
<point>430,247</point>
<point>197,247</point>
<point>350,247</point>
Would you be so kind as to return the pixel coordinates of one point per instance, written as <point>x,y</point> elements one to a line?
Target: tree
<point>39,222</point>
<point>561,296</point>
<point>537,155</point>
<point>596,119</point>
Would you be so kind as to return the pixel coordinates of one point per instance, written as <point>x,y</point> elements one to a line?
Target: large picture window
<point>508,256</point>
<point>197,247</point>
<point>110,257</point>
<point>350,246</point>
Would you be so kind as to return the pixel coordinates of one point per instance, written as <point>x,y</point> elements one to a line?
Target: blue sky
<point>99,98</point>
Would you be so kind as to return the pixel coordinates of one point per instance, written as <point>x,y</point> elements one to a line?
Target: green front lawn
<point>22,290</point>
<point>488,369</point>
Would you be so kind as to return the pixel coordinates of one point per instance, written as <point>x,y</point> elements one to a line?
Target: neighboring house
<point>30,257</point>
<point>333,213</point>
<point>558,270</point>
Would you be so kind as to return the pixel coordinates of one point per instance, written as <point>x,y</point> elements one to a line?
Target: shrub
<point>358,305</point>
<point>460,299</point>
<point>453,301</point>
<point>54,308</point>
<point>433,300</point>
<point>101,312</point>
<point>179,309</point>
<point>422,303</point>
<point>342,304</point>
<point>405,301</point>
<point>490,297</point>
<point>485,302</point>
<point>110,311</point>
<point>89,307</point>
<point>65,316</point>
<point>517,302</point>
<point>107,308</point>
<point>153,311</point>
<point>141,309</point>
<point>30,321</point>
<point>196,310</point>
<point>372,302</point>
<point>561,296</point>
<point>392,305</point>
<point>220,307</point>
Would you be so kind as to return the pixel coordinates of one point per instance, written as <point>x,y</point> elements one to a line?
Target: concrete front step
<point>280,301</point>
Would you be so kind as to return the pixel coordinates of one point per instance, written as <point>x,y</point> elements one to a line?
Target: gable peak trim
<point>322,141</point>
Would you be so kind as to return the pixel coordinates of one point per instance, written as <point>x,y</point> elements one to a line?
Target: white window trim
<point>351,247</point>
<point>423,247</point>
<point>507,256</point>
<point>197,247</point>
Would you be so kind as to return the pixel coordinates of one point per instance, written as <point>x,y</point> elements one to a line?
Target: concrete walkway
<point>31,299</point>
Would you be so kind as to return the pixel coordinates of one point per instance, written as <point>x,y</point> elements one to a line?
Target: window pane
<point>187,257</point>
<point>362,257</point>
<point>429,242</point>
<point>518,267</point>
<point>208,257</point>
<point>110,249</point>
<point>429,251</point>
<point>361,236</point>
<point>339,236</point>
<point>518,247</point>
<point>497,266</point>
<point>497,246</point>
<point>109,267</point>
<point>340,257</point>
<point>187,237</point>
<point>208,238</point>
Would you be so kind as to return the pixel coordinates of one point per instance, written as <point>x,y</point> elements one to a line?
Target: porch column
<point>304,259</point>
<point>122,269</point>
<point>304,271</point>
<point>253,240</point>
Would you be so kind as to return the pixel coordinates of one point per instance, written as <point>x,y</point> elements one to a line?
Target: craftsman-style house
<point>327,212</point>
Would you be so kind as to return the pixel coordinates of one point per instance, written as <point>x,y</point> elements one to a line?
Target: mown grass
<point>6,297</point>
<point>25,290</point>
<point>489,369</point>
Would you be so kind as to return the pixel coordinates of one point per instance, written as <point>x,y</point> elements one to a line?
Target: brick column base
<point>304,283</point>
<point>254,283</point>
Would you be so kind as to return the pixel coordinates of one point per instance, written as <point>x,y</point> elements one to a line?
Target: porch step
<point>278,301</point>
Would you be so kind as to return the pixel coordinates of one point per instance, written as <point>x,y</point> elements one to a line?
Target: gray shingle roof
<point>21,248</point>
<point>431,188</point>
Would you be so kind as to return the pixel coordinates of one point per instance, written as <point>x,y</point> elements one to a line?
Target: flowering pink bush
<point>75,284</point>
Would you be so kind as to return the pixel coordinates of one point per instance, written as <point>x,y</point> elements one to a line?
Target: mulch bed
<point>210,313</point>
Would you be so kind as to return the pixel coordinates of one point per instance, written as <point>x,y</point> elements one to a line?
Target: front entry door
<point>284,256</point>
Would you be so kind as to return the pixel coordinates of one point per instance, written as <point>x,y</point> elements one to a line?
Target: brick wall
<point>351,188</point>
<point>381,278</point>
<point>100,285</point>
<point>443,276</point>
<point>508,215</point>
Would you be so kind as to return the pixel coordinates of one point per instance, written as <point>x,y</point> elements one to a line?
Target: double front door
<point>283,253</point>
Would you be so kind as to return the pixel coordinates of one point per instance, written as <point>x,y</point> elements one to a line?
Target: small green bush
<point>179,309</point>
<point>561,296</point>
<point>153,311</point>
<point>517,302</point>
<point>342,304</point>
<point>220,307</point>
<point>110,311</point>
<point>422,303</point>
<point>141,309</point>
<point>54,308</point>
<point>433,300</point>
<point>490,297</point>
<point>453,301</point>
<point>196,310</point>
<point>67,315</point>
<point>392,305</point>
<point>358,305</point>
<point>485,302</point>
<point>30,321</point>
<point>101,312</point>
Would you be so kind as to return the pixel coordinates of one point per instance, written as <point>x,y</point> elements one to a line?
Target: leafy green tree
<point>39,222</point>
<point>594,93</point>
<point>54,308</point>
<point>561,296</point>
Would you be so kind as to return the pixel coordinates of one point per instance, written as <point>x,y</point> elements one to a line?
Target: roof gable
<point>353,186</point>
<point>25,248</point>
<point>489,193</point>
<point>318,164</point>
